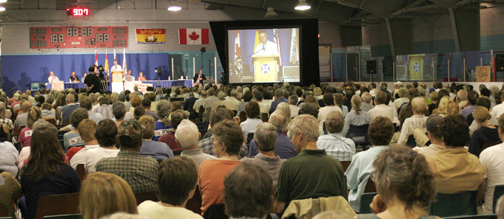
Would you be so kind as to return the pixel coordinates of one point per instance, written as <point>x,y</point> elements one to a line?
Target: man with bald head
<point>283,147</point>
<point>22,118</point>
<point>69,107</point>
<point>417,120</point>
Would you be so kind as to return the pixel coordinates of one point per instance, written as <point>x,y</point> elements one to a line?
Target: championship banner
<point>483,73</point>
<point>151,36</point>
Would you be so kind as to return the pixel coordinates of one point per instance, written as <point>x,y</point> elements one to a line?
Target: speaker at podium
<point>265,68</point>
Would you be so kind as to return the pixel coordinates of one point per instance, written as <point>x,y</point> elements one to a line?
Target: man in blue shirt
<point>279,97</point>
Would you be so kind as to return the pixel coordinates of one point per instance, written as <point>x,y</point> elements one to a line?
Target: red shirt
<point>72,151</point>
<point>169,139</point>
<point>141,78</point>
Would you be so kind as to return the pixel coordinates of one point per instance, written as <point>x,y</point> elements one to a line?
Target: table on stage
<point>167,83</point>
<point>74,85</point>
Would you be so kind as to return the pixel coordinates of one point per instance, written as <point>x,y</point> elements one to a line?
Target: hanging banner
<point>151,36</point>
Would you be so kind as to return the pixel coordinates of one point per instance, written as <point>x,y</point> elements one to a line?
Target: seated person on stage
<point>129,77</point>
<point>177,180</point>
<point>140,76</point>
<point>74,78</point>
<point>52,78</point>
<point>139,171</point>
<point>199,79</point>
<point>310,174</point>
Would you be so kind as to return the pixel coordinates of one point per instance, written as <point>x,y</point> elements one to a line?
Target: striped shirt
<point>337,146</point>
<point>105,110</point>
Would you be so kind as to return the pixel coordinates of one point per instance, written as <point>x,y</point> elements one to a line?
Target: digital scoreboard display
<point>78,11</point>
<point>78,37</point>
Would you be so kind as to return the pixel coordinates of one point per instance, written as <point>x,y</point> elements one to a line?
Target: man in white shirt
<point>381,109</point>
<point>417,120</point>
<point>498,109</point>
<point>232,102</point>
<point>87,130</point>
<point>263,107</point>
<point>433,135</point>
<point>87,104</point>
<point>266,47</point>
<point>52,78</point>
<point>330,106</point>
<point>106,133</point>
<point>200,101</point>
<point>211,98</point>
<point>293,99</point>
<point>116,67</point>
<point>403,98</point>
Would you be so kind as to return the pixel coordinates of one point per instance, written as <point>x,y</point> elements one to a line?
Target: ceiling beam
<point>441,3</point>
<point>353,5</point>
<point>405,9</point>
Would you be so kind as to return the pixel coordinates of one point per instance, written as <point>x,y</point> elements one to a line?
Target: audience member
<point>357,174</point>
<point>232,102</point>
<point>25,134</point>
<point>417,120</point>
<point>177,179</point>
<point>357,116</point>
<point>4,120</point>
<point>87,104</point>
<point>252,110</point>
<point>103,194</point>
<point>73,138</point>
<point>104,109</point>
<point>163,126</point>
<point>324,111</point>
<point>248,192</point>
<point>154,149</point>
<point>283,147</point>
<point>486,133</point>
<point>472,96</point>
<point>22,119</point>
<point>366,102</point>
<point>293,101</point>
<point>87,130</point>
<point>334,143</point>
<point>187,136</point>
<point>279,98</point>
<point>433,135</point>
<point>493,163</point>
<point>462,99</point>
<point>147,104</point>
<point>10,191</point>
<point>228,138</point>
<point>119,111</point>
<point>265,137</point>
<point>139,171</point>
<point>139,111</point>
<point>46,172</point>
<point>312,173</point>
<point>498,109</point>
<point>455,169</point>
<point>70,106</point>
<point>404,183</point>
<point>106,132</point>
<point>381,109</point>
<point>403,98</point>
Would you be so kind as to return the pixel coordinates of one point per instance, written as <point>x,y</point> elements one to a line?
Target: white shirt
<point>250,124</point>
<point>497,111</point>
<point>323,114</point>
<point>156,210</point>
<point>493,162</point>
<point>80,157</point>
<point>52,79</point>
<point>94,155</point>
<point>95,116</point>
<point>399,102</point>
<point>270,48</point>
<point>294,110</point>
<point>199,103</point>
<point>116,68</point>
<point>410,124</point>
<point>382,110</point>
<point>23,155</point>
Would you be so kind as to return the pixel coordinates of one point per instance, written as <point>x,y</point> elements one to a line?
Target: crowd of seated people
<point>253,151</point>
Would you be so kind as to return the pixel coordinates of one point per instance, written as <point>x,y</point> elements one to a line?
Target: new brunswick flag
<point>151,36</point>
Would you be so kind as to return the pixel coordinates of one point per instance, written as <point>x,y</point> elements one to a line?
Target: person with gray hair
<point>187,136</point>
<point>220,101</point>
<point>403,98</point>
<point>417,120</point>
<point>210,99</point>
<point>366,102</point>
<point>163,125</point>
<point>265,137</point>
<point>283,147</point>
<point>200,102</point>
<point>232,102</point>
<point>312,173</point>
<point>334,143</point>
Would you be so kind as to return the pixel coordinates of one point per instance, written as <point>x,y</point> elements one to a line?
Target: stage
<point>154,83</point>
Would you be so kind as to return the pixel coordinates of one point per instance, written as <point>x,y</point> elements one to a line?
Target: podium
<point>265,68</point>
<point>117,83</point>
<point>129,83</point>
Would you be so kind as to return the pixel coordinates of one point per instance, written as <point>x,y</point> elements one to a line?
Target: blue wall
<point>22,70</point>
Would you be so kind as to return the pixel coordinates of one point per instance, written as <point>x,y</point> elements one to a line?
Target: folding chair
<point>366,200</point>
<point>498,192</point>
<point>66,204</point>
<point>447,205</point>
<point>81,171</point>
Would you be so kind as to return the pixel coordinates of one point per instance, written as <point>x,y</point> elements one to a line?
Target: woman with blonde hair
<point>338,98</point>
<point>284,108</point>
<point>486,133</point>
<point>452,108</point>
<point>442,106</point>
<point>104,194</point>
<point>356,116</point>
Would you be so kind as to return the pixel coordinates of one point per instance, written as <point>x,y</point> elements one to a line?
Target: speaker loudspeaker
<point>499,62</point>
<point>371,66</point>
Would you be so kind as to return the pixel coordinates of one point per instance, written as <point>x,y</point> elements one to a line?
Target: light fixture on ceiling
<point>2,8</point>
<point>174,7</point>
<point>3,1</point>
<point>271,12</point>
<point>302,6</point>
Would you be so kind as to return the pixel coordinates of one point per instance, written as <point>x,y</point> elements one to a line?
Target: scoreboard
<point>78,37</point>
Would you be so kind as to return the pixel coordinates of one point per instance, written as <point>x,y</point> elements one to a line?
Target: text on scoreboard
<point>78,37</point>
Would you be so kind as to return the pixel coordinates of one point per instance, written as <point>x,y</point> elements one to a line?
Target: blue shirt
<point>156,150</point>
<point>337,146</point>
<point>275,103</point>
<point>283,147</point>
<point>357,174</point>
<point>160,129</point>
<point>357,120</point>
<point>468,110</point>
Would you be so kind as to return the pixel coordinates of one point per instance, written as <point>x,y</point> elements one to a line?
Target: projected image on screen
<point>263,55</point>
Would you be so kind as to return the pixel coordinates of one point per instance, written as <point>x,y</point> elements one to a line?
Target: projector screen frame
<point>308,45</point>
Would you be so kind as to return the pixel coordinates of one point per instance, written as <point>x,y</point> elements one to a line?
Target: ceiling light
<point>2,8</point>
<point>302,6</point>
<point>174,7</point>
<point>270,13</point>
<point>3,1</point>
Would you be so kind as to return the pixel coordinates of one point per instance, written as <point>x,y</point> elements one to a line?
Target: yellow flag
<point>257,40</point>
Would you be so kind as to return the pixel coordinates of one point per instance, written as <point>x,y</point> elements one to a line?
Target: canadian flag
<point>193,36</point>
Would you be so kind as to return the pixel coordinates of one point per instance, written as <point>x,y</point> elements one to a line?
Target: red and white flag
<point>276,34</point>
<point>237,44</point>
<point>294,48</point>
<point>193,36</point>
<point>95,57</point>
<point>124,61</point>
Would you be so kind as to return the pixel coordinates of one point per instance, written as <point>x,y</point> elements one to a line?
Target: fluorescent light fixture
<point>302,6</point>
<point>270,13</point>
<point>2,8</point>
<point>174,7</point>
<point>3,1</point>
